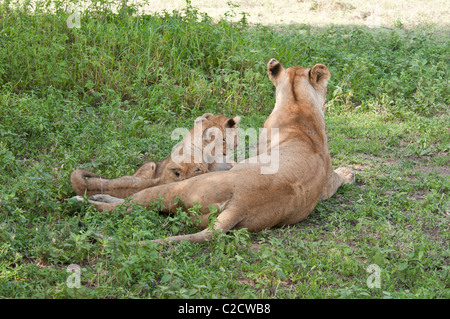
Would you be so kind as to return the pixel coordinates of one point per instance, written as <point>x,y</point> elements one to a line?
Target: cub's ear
<point>233,122</point>
<point>207,115</point>
<point>273,68</point>
<point>319,75</point>
<point>147,170</point>
<point>152,166</point>
<point>202,118</point>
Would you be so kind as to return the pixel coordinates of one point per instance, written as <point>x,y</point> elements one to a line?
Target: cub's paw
<point>347,175</point>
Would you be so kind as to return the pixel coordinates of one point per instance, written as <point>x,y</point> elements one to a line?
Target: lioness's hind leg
<point>225,221</point>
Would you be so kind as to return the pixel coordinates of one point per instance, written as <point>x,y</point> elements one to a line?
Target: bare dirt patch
<point>443,171</point>
<point>370,13</point>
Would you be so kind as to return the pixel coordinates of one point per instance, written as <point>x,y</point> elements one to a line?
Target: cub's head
<point>219,129</point>
<point>298,84</point>
<point>209,141</point>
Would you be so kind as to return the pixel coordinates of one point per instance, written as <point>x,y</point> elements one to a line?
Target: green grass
<point>107,96</point>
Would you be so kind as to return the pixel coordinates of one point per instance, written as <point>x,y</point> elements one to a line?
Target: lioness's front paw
<point>104,198</point>
<point>347,175</point>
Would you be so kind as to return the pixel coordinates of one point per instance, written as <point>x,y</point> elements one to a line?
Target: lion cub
<point>178,166</point>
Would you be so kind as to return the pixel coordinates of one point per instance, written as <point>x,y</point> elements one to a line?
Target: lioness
<point>167,171</point>
<point>245,197</point>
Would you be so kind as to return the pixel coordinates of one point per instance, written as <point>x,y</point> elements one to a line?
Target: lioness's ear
<point>319,75</point>
<point>233,122</point>
<point>274,68</point>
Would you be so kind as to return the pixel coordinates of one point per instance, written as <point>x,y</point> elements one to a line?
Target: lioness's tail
<point>87,183</point>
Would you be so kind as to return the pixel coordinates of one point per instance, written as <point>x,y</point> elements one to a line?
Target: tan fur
<point>166,171</point>
<point>249,199</point>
